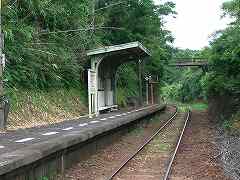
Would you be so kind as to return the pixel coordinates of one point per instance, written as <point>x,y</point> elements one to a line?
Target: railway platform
<point>24,148</point>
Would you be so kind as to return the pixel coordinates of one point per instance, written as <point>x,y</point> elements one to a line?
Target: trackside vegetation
<point>46,43</point>
<point>220,85</point>
<point>223,80</point>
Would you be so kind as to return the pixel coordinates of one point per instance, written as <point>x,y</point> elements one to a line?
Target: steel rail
<point>169,168</point>
<point>144,144</point>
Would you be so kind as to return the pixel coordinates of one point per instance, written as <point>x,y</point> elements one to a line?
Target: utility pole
<point>93,17</point>
<point>2,119</point>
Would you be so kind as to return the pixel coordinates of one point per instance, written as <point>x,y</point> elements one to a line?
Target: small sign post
<point>91,92</point>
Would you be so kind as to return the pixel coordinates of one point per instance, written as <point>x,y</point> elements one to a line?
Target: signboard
<point>91,81</point>
<point>92,94</point>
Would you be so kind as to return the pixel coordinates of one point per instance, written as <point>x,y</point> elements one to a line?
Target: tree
<point>223,80</point>
<point>224,55</point>
<point>46,40</point>
<point>38,56</point>
<point>141,21</point>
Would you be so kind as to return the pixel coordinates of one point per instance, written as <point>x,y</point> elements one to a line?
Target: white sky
<point>195,22</point>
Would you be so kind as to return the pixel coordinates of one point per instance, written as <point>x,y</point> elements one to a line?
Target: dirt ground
<point>196,158</point>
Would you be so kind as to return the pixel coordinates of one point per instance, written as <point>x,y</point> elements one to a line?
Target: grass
<point>139,130</point>
<point>232,125</point>
<point>197,106</point>
<point>34,107</point>
<point>161,147</point>
<point>44,178</point>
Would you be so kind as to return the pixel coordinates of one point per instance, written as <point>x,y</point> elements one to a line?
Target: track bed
<point>196,156</point>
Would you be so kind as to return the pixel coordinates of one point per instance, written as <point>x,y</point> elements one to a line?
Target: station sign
<point>92,94</point>
<point>92,81</point>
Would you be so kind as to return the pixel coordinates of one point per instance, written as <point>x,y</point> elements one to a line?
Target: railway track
<point>169,167</point>
<point>146,143</point>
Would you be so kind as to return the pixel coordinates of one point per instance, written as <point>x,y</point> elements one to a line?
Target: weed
<point>36,107</point>
<point>43,178</point>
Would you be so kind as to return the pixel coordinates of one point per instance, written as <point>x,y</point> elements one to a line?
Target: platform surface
<point>22,147</point>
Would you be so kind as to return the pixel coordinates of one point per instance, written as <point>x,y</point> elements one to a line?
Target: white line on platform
<point>83,116</point>
<point>1,147</point>
<point>93,122</point>
<point>119,115</point>
<point>133,111</point>
<point>3,163</point>
<point>82,125</point>
<point>50,133</point>
<point>24,140</point>
<point>103,119</point>
<point>112,117</point>
<point>67,129</point>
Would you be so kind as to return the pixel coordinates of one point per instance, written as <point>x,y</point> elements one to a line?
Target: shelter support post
<point>140,81</point>
<point>115,88</point>
<point>147,93</point>
<point>152,94</point>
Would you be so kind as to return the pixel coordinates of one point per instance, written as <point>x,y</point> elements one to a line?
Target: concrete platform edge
<point>25,156</point>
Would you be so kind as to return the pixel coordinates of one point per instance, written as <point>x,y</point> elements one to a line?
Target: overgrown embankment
<point>223,79</point>
<point>31,108</point>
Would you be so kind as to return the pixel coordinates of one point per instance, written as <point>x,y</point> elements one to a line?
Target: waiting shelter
<point>102,74</point>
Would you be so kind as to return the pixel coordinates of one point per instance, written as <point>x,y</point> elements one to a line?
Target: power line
<point>108,6</point>
<point>81,29</point>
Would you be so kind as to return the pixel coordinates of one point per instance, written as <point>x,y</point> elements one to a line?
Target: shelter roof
<point>134,48</point>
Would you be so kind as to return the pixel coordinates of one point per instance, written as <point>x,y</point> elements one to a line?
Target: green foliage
<point>184,85</point>
<point>186,53</point>
<point>140,21</point>
<point>223,80</point>
<point>224,54</point>
<point>227,125</point>
<point>171,91</point>
<point>232,8</point>
<point>122,97</point>
<point>32,107</point>
<point>46,40</point>
<point>193,106</point>
<point>37,58</point>
<point>127,77</point>
<point>191,86</point>
<point>127,83</point>
<point>199,106</point>
<point>232,125</point>
<point>65,99</point>
<point>44,178</point>
<point>224,76</point>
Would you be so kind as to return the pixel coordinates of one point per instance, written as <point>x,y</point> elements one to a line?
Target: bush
<point>171,91</point>
<point>187,88</point>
